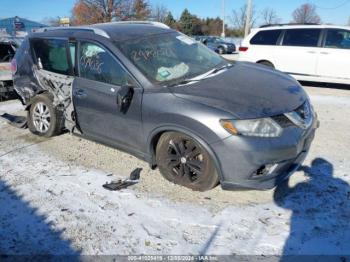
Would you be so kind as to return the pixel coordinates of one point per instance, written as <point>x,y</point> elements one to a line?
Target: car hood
<point>247,91</point>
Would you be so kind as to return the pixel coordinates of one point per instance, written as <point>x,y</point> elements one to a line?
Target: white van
<point>319,53</point>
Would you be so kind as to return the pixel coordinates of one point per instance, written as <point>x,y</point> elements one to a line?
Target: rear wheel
<point>183,161</point>
<point>43,118</point>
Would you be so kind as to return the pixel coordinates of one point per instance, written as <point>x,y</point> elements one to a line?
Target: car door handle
<point>311,52</point>
<point>324,53</point>
<point>80,93</point>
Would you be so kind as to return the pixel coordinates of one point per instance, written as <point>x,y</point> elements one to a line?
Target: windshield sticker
<point>146,54</point>
<point>163,72</point>
<point>168,73</point>
<point>186,40</point>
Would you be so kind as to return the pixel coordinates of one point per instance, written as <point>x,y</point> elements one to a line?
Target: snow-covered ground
<point>54,204</point>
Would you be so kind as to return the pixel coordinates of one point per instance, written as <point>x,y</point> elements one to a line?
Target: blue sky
<point>39,9</point>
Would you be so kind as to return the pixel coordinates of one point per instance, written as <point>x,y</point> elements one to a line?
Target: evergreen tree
<point>190,24</point>
<point>170,20</point>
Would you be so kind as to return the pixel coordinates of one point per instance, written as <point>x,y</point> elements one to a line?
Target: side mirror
<point>124,97</point>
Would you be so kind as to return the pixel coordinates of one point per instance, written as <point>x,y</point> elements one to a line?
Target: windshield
<point>169,57</point>
<point>215,40</point>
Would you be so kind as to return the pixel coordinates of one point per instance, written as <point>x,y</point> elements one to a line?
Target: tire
<point>221,50</point>
<point>43,118</point>
<point>266,63</point>
<point>183,161</point>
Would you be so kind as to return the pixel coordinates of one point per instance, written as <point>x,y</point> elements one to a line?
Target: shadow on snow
<point>25,232</point>
<point>321,212</point>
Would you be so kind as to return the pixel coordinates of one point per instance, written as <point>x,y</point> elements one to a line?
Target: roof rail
<point>96,31</point>
<point>99,31</point>
<point>159,24</point>
<point>289,24</point>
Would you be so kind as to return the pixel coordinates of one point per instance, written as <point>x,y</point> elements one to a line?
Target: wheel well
<point>41,92</point>
<point>266,62</point>
<point>153,147</point>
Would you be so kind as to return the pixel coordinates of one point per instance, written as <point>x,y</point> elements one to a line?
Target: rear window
<point>266,37</point>
<point>338,38</point>
<point>52,54</point>
<point>301,37</point>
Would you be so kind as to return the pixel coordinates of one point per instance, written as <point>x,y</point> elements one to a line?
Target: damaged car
<point>7,52</point>
<point>157,94</point>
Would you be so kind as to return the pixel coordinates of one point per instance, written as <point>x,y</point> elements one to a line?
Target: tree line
<point>86,12</point>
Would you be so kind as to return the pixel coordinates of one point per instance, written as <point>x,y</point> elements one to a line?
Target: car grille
<point>283,121</point>
<point>302,116</point>
<point>304,111</point>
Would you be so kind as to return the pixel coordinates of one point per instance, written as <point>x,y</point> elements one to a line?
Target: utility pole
<point>248,17</point>
<point>223,19</point>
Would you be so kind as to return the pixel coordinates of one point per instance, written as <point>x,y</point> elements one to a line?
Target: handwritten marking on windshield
<point>146,54</point>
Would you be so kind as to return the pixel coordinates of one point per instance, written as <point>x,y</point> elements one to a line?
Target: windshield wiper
<point>184,81</point>
<point>218,69</point>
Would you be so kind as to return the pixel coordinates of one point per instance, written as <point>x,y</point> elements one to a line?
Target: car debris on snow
<point>121,184</point>
<point>14,120</point>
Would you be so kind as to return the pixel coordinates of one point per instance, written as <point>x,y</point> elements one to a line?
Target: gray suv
<point>157,94</point>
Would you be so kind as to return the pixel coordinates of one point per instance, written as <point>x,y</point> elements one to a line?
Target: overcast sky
<point>335,11</point>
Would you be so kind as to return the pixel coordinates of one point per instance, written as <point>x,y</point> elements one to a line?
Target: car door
<point>100,77</point>
<point>298,52</point>
<point>334,59</point>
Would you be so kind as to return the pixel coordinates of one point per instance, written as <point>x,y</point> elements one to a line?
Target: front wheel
<point>183,161</point>
<point>43,118</point>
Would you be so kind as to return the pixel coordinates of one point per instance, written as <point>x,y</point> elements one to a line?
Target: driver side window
<point>96,63</point>
<point>338,38</point>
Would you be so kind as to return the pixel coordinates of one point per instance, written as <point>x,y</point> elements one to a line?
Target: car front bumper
<point>261,163</point>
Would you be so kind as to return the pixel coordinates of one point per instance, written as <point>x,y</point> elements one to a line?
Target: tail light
<point>13,66</point>
<point>243,49</point>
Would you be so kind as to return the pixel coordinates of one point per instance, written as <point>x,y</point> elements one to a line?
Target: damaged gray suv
<point>157,94</point>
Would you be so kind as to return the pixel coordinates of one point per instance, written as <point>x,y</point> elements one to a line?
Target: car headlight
<point>262,127</point>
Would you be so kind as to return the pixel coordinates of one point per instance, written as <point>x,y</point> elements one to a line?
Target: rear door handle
<point>80,93</point>
<point>311,52</point>
<point>324,53</point>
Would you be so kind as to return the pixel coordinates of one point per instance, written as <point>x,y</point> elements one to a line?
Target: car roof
<point>300,26</point>
<point>116,31</point>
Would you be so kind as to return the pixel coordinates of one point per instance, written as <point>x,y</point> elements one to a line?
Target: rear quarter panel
<point>256,53</point>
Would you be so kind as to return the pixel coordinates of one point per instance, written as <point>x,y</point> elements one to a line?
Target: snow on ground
<point>10,107</point>
<point>53,206</point>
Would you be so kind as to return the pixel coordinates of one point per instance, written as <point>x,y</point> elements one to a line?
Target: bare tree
<point>238,18</point>
<point>140,10</point>
<point>306,14</point>
<point>160,13</point>
<point>269,16</point>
